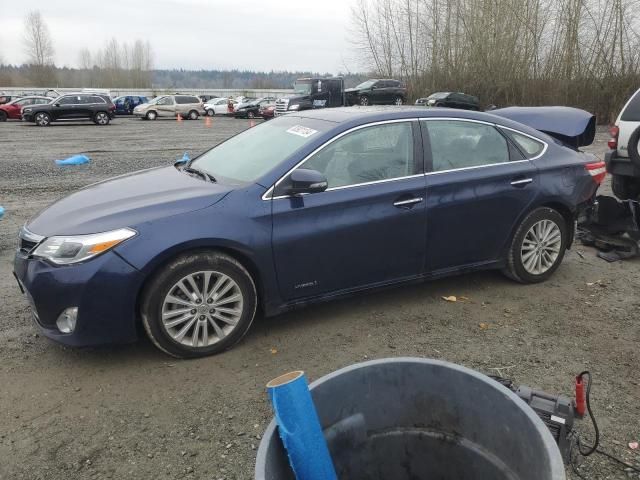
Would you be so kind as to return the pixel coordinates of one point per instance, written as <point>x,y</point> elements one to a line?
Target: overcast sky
<point>192,34</point>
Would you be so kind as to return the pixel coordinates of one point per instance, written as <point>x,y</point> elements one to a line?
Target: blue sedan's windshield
<point>252,153</point>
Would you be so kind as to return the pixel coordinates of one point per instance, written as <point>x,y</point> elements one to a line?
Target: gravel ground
<point>132,412</point>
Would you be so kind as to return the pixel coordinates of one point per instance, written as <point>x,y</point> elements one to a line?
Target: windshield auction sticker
<point>302,131</point>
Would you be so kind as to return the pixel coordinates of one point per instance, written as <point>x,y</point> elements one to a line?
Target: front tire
<point>3,116</point>
<point>398,101</point>
<point>200,304</point>
<point>364,100</point>
<point>101,118</point>
<point>251,115</point>
<point>210,112</point>
<point>538,247</point>
<point>43,119</point>
<point>193,115</point>
<point>151,115</point>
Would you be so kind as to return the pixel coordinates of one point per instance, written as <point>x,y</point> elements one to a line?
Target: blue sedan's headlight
<point>63,250</point>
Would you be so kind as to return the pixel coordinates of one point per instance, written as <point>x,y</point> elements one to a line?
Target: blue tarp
<point>74,160</point>
<point>572,126</point>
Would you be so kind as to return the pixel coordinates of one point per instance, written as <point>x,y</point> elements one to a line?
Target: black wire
<point>595,448</point>
<point>616,459</point>
<point>593,419</point>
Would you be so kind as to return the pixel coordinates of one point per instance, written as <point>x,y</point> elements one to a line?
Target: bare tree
<point>39,49</point>
<point>37,40</point>
<point>574,52</point>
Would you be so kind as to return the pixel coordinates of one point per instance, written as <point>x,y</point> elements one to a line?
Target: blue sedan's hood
<point>127,201</point>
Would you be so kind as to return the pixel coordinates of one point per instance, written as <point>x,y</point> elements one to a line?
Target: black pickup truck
<point>311,93</point>
<point>377,92</point>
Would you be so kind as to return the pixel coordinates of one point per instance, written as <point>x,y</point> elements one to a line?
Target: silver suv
<point>623,158</point>
<point>185,106</point>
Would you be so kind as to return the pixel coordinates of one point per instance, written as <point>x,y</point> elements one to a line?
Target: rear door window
<point>458,144</point>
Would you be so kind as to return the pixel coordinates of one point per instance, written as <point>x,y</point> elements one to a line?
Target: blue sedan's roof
<point>536,121</point>
<point>358,114</point>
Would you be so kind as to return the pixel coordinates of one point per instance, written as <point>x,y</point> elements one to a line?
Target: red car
<point>12,109</point>
<point>267,112</point>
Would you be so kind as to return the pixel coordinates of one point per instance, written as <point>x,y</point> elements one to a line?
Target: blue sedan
<point>308,207</point>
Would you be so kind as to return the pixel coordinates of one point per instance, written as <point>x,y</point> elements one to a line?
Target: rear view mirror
<point>303,180</point>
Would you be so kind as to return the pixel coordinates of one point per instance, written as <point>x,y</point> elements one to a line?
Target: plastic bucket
<point>411,418</point>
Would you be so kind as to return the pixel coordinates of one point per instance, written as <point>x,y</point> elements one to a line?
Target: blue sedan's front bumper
<point>104,289</point>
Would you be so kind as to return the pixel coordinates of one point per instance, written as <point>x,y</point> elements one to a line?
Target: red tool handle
<point>581,404</point>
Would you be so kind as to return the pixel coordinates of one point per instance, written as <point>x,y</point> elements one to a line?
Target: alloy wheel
<point>101,118</point>
<point>398,101</point>
<point>541,247</point>
<point>364,101</point>
<point>202,309</point>
<point>193,116</point>
<point>42,119</point>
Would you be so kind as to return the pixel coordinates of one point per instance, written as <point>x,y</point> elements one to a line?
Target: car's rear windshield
<point>254,152</point>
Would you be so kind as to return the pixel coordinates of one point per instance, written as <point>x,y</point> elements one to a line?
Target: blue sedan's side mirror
<point>304,180</point>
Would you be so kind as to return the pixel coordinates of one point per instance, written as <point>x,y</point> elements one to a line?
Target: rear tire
<point>538,246</point>
<point>42,119</point>
<point>398,101</point>
<point>3,116</point>
<point>101,118</point>
<point>625,188</point>
<point>251,115</point>
<point>634,147</point>
<point>166,293</point>
<point>151,115</point>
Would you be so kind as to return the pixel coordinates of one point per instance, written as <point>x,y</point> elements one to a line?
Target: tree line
<point>584,53</point>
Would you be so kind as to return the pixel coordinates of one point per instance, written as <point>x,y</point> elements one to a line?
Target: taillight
<point>613,141</point>
<point>597,170</point>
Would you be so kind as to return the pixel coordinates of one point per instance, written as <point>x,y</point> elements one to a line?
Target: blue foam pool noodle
<point>1,212</point>
<point>74,160</point>
<point>299,427</point>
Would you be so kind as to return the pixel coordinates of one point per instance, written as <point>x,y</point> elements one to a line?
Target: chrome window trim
<point>497,126</point>
<point>268,195</point>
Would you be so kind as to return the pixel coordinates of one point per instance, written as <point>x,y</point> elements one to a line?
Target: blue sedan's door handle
<point>521,182</point>
<point>408,203</point>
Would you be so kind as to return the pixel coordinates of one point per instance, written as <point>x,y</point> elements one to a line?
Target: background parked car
<point>377,92</point>
<point>13,109</point>
<point>252,109</point>
<point>451,100</point>
<point>268,112</point>
<point>218,106</point>
<point>73,106</point>
<point>623,160</point>
<point>207,98</point>
<point>187,106</point>
<point>126,103</point>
